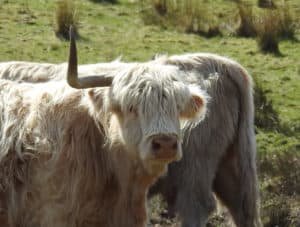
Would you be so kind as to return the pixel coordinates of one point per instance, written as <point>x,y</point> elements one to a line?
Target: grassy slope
<point>108,31</point>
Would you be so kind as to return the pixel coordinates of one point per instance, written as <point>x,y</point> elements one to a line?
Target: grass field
<point>108,31</point>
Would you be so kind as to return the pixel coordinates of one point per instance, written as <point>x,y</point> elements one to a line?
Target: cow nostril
<point>174,146</point>
<point>155,145</point>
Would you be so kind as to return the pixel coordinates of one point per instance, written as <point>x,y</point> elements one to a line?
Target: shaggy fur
<point>34,72</point>
<point>82,157</point>
<point>219,154</point>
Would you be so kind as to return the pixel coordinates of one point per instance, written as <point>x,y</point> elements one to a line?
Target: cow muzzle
<point>165,148</point>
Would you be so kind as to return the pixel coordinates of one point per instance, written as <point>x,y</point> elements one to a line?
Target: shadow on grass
<point>65,37</point>
<point>266,116</point>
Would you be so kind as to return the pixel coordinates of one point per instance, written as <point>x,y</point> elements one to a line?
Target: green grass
<point>27,32</point>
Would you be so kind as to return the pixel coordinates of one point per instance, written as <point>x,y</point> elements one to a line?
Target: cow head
<point>149,101</point>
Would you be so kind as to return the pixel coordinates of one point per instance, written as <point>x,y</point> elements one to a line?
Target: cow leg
<point>194,211</point>
<point>170,197</point>
<point>194,197</point>
<point>3,210</point>
<point>227,186</point>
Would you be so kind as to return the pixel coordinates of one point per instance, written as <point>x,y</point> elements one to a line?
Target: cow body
<point>35,72</point>
<point>219,154</point>
<point>55,169</point>
<point>86,157</point>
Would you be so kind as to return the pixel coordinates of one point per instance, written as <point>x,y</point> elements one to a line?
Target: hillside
<point>108,31</point>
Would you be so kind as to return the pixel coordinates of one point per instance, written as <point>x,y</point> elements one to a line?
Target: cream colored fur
<point>83,157</point>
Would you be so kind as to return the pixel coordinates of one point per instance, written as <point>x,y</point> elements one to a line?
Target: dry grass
<point>288,23</point>
<point>246,26</point>
<point>190,16</point>
<point>160,6</point>
<point>269,25</point>
<point>65,16</point>
<point>268,30</point>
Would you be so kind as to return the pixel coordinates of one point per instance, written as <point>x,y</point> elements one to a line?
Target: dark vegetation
<point>269,23</point>
<point>266,4</point>
<point>65,17</point>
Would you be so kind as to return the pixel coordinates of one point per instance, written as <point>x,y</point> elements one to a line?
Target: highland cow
<point>86,155</point>
<point>219,153</point>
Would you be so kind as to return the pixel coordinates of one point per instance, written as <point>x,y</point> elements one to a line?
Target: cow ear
<point>195,107</point>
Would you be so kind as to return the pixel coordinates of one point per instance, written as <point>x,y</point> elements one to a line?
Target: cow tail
<point>246,146</point>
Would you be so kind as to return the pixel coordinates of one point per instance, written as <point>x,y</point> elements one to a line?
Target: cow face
<point>150,102</point>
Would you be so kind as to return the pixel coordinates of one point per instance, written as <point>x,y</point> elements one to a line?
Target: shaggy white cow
<point>219,154</point>
<point>86,157</point>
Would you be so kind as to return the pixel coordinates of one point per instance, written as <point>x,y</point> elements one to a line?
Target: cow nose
<point>164,147</point>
